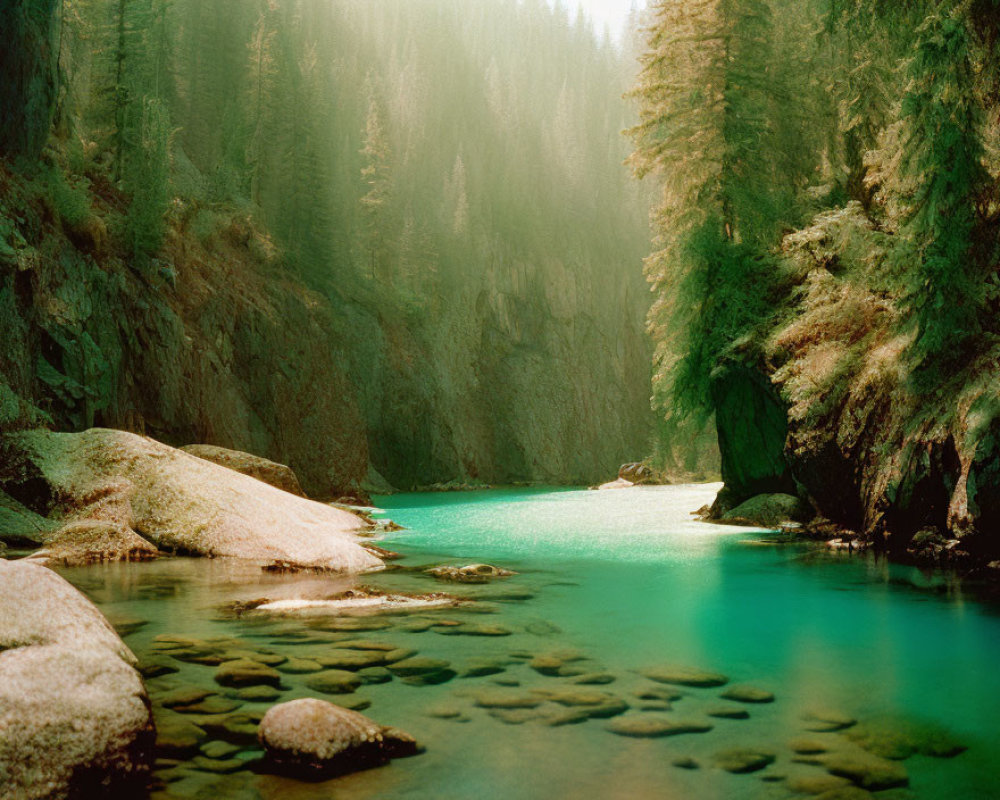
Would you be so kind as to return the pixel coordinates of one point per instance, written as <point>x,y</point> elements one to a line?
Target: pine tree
<point>942,166</point>
<point>706,131</point>
<point>375,176</point>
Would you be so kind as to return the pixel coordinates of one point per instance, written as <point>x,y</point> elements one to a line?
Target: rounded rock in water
<point>314,738</point>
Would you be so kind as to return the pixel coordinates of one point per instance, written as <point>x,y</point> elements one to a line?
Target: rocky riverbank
<point>106,495</point>
<point>820,404</point>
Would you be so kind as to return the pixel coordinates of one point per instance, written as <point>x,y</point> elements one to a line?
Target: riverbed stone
<point>514,716</point>
<point>334,681</point>
<point>685,676</point>
<point>366,644</point>
<point>500,698</point>
<point>577,697</point>
<point>176,737</point>
<point>666,694</point>
<point>217,749</point>
<point>374,675</point>
<point>210,705</point>
<point>727,712</point>
<point>429,678</point>
<point>898,739</point>
<point>867,771</point>
<point>741,760</point>
<point>686,762</point>
<point>547,665</point>
<point>816,783</point>
<point>806,746</point>
<point>566,716</point>
<point>827,720</point>
<point>481,667</point>
<point>74,715</point>
<point>352,659</point>
<point>300,666</point>
<point>258,694</point>
<point>472,573</point>
<point>747,694</point>
<point>654,725</point>
<point>418,665</point>
<point>244,672</point>
<point>184,696</point>
<point>594,679</point>
<point>313,738</point>
<point>475,629</point>
<point>239,728</point>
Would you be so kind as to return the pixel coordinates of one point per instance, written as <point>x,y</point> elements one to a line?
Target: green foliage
<point>146,177</point>
<point>70,198</point>
<point>943,159</point>
<point>712,114</point>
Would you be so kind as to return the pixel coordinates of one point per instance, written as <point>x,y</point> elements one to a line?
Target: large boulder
<point>120,495</point>
<point>75,721</point>
<point>637,473</point>
<point>768,511</point>
<point>315,739</point>
<point>278,475</point>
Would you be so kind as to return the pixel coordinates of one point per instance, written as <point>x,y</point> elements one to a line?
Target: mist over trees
<point>447,176</point>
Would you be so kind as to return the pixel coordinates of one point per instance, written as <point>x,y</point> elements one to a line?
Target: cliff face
<point>910,471</point>
<point>28,65</point>
<point>498,354</point>
<point>215,348</point>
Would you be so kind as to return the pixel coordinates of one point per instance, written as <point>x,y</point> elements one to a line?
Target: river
<point>613,583</point>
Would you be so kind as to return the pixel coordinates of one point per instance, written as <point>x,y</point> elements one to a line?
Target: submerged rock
<point>244,672</point>
<point>827,720</point>
<point>747,694</point>
<point>867,771</point>
<point>743,760</point>
<point>277,475</point>
<point>334,681</point>
<point>74,716</point>
<point>655,725</point>
<point>898,739</point>
<point>315,739</point>
<point>685,676</point>
<point>473,573</point>
<point>122,495</point>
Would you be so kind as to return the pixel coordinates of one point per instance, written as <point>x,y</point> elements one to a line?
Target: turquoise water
<point>629,580</point>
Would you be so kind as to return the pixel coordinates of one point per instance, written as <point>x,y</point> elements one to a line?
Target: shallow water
<point>630,581</point>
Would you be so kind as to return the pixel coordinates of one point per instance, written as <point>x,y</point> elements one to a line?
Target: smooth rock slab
<point>315,739</point>
<point>123,483</point>
<point>685,676</point>
<point>654,725</point>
